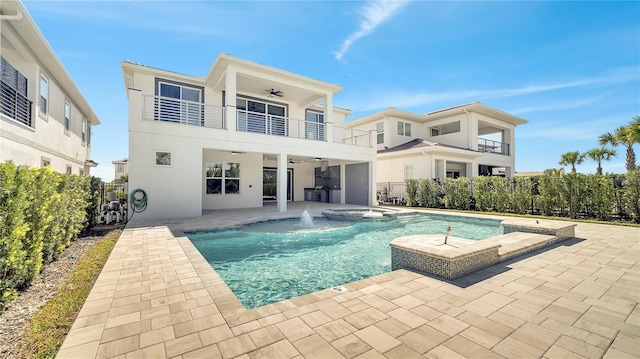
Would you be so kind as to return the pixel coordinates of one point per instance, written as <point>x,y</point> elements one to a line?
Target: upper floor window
<point>84,130</point>
<point>46,162</point>
<point>67,115</point>
<point>435,131</point>
<point>69,169</point>
<point>314,125</point>
<point>179,103</point>
<point>380,131</point>
<point>88,134</point>
<point>44,95</point>
<point>13,94</point>
<point>120,168</point>
<point>404,128</point>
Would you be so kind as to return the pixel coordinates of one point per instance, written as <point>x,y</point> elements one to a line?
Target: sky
<point>571,68</point>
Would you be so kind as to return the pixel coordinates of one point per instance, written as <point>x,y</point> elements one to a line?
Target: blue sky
<point>571,68</point>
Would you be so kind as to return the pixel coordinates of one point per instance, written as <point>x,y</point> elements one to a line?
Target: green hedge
<point>574,195</point>
<point>41,212</point>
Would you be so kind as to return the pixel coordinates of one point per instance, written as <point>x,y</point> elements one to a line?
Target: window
<point>314,125</point>
<point>88,134</point>
<point>435,131</point>
<point>120,168</point>
<point>380,131</point>
<point>261,117</point>
<point>68,169</point>
<point>46,162</point>
<point>404,128</point>
<point>180,103</point>
<point>67,116</point>
<point>84,130</point>
<point>44,95</point>
<point>223,178</point>
<point>13,94</point>
<point>453,174</point>
<point>81,172</point>
<point>163,159</point>
<point>408,172</point>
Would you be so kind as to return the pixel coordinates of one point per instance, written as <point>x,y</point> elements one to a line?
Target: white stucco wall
<point>47,137</point>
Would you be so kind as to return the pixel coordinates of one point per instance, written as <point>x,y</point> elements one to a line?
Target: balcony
<point>15,105</point>
<point>490,146</point>
<point>157,108</point>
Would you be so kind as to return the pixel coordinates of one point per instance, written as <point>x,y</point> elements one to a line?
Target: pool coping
<point>400,313</point>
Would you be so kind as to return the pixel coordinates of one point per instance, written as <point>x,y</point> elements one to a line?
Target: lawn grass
<point>49,326</point>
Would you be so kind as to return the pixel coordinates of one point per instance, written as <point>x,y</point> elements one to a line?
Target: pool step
<point>518,243</point>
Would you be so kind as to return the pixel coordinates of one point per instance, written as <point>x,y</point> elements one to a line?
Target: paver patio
<point>158,298</point>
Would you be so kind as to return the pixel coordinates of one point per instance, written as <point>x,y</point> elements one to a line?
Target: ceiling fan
<point>274,92</point>
<point>292,162</point>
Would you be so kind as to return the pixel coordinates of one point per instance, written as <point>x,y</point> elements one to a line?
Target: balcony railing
<point>15,105</point>
<point>485,145</point>
<point>157,108</point>
<point>351,136</point>
<point>273,125</point>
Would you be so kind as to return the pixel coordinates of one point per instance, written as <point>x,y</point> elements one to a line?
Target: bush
<point>41,211</point>
<point>572,195</point>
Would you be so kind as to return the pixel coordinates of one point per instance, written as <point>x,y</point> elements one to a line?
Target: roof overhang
<point>32,37</point>
<point>476,107</point>
<point>384,114</point>
<point>433,149</point>
<point>91,163</point>
<point>253,79</point>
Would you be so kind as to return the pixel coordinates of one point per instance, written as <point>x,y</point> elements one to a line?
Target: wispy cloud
<point>372,15</point>
<point>413,99</point>
<point>558,106</point>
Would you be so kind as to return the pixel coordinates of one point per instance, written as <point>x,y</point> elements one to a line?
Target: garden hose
<point>138,201</point>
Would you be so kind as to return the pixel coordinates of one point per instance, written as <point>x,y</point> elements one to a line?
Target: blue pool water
<point>268,262</point>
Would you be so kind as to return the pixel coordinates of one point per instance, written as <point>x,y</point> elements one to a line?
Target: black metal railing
<point>485,145</point>
<point>15,105</point>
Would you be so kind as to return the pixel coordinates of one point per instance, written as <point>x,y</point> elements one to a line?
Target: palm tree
<point>624,135</point>
<point>572,158</point>
<point>600,154</point>
<point>554,172</point>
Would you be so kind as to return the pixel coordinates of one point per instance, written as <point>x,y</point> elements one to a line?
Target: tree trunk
<point>631,159</point>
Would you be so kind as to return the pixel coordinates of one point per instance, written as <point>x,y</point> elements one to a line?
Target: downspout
<point>17,16</point>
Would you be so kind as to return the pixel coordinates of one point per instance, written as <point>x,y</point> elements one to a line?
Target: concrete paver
<point>157,297</point>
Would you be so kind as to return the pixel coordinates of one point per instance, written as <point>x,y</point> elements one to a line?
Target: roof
<point>476,107</point>
<point>35,40</point>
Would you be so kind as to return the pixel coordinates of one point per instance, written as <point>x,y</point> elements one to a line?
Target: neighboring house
<point>44,119</point>
<point>240,136</point>
<point>120,168</point>
<point>462,141</point>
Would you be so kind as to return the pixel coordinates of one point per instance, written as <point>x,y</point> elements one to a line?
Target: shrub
<point>412,192</point>
<point>632,194</point>
<point>41,211</point>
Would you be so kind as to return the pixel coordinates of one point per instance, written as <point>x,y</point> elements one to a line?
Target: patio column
<point>328,118</point>
<point>230,98</point>
<point>373,201</point>
<point>281,183</point>
<point>343,179</point>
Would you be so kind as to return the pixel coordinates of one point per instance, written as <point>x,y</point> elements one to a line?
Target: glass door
<point>270,184</point>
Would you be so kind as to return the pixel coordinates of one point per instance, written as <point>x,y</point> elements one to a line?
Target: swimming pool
<point>268,262</point>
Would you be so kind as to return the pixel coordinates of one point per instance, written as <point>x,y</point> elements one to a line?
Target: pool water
<point>268,262</point>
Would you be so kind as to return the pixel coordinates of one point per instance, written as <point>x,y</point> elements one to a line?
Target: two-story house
<point>44,118</point>
<point>120,168</point>
<point>461,141</point>
<point>242,135</point>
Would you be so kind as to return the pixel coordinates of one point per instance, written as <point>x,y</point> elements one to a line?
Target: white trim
<point>45,114</point>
